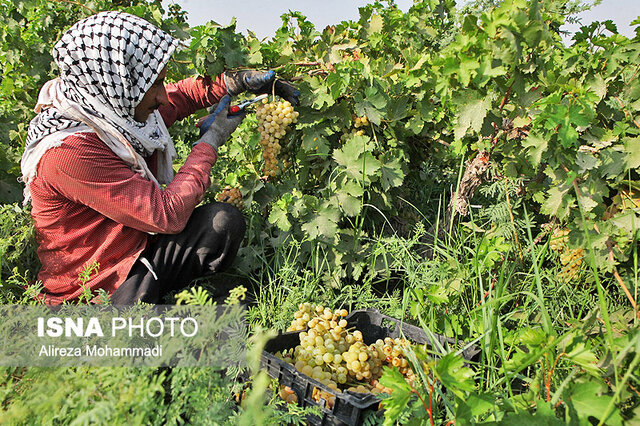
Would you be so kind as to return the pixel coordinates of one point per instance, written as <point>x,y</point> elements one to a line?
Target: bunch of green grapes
<point>559,240</point>
<point>364,362</point>
<point>321,348</point>
<point>395,351</point>
<point>232,196</point>
<point>571,260</point>
<point>358,122</point>
<point>361,121</point>
<point>337,356</point>
<point>274,119</point>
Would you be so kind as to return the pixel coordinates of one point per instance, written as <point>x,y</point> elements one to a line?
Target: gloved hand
<point>216,128</point>
<point>259,82</point>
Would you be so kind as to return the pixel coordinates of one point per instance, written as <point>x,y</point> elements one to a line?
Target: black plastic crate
<point>349,407</point>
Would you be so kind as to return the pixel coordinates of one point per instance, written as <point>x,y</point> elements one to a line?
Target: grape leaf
<point>567,135</point>
<point>474,405</point>
<point>598,86</point>
<point>536,145</point>
<point>375,98</point>
<point>375,25</point>
<point>396,403</point>
<point>588,400</point>
<point>322,224</point>
<point>626,220</point>
<point>391,174</point>
<point>415,125</point>
<point>313,140</point>
<point>319,94</point>
<point>372,104</point>
<point>466,68</point>
<point>543,416</point>
<point>356,159</point>
<point>349,197</point>
<point>586,161</point>
<point>632,149</point>
<point>613,162</point>
<point>558,202</point>
<point>584,357</point>
<point>279,218</point>
<point>338,84</point>
<point>473,110</point>
<point>454,375</point>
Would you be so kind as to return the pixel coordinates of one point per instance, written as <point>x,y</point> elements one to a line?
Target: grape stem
<point>429,408</point>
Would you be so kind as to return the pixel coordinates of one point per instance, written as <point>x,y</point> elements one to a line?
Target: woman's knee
<point>227,218</point>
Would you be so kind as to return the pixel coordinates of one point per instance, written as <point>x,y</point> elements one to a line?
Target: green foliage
<point>86,395</point>
<point>17,250</point>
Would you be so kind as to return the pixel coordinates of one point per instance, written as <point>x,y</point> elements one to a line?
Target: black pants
<point>208,244</point>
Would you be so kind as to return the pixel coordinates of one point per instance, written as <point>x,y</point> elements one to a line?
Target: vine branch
<point>626,113</point>
<point>93,12</point>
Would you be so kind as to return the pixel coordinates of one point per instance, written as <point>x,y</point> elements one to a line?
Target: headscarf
<point>107,63</point>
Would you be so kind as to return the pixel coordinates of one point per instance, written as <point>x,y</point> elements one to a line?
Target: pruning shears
<point>233,109</point>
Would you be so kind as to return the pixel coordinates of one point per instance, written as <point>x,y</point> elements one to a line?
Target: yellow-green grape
<point>273,122</point>
<point>361,121</point>
<point>571,261</point>
<point>288,394</point>
<point>559,240</point>
<point>232,196</point>
<point>394,352</point>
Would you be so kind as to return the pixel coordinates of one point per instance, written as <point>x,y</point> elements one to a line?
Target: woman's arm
<point>189,95</point>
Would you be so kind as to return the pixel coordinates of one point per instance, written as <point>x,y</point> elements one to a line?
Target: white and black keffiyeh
<point>107,63</point>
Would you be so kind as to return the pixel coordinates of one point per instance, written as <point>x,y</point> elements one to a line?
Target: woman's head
<point>114,59</point>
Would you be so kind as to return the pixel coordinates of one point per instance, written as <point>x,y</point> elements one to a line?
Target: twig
<point>549,374</point>
<point>424,404</point>
<point>318,72</point>
<point>634,74</point>
<point>506,95</point>
<point>177,61</point>
<point>619,278</point>
<point>486,293</point>
<point>544,376</point>
<point>542,234</point>
<point>93,12</point>
<point>626,113</point>
<point>307,64</point>
<point>633,389</point>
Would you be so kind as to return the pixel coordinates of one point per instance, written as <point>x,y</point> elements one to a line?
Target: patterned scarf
<point>107,63</point>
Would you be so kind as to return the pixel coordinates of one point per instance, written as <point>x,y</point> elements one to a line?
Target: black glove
<point>259,82</point>
<point>216,128</point>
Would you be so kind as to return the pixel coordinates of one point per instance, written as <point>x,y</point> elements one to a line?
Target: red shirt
<point>88,205</point>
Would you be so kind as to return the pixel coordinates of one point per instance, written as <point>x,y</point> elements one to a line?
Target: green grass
<point>548,347</point>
